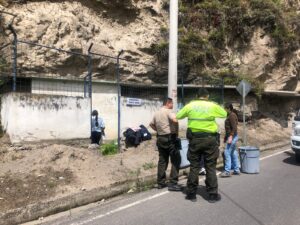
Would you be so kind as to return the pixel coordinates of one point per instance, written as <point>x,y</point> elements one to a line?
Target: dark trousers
<point>201,161</point>
<point>167,149</point>
<point>96,137</point>
<point>208,147</point>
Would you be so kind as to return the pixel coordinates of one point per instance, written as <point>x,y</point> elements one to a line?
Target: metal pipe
<point>173,52</point>
<point>244,117</point>
<point>119,98</point>
<point>14,57</point>
<point>58,49</point>
<point>128,60</point>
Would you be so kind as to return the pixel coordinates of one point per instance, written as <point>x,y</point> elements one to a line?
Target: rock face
<point>260,61</point>
<point>131,25</point>
<point>111,25</point>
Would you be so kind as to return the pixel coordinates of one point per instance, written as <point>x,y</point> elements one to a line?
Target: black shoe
<point>236,173</point>
<point>174,187</point>
<point>161,186</point>
<point>191,197</point>
<point>212,198</point>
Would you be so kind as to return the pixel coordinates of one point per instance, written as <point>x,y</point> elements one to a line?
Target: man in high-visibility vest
<point>202,134</point>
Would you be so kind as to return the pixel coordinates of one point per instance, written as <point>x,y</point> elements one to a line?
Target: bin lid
<point>249,148</point>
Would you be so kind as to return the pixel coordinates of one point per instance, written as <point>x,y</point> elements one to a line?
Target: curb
<point>37,210</point>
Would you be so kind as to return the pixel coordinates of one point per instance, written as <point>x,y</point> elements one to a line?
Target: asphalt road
<point>270,197</point>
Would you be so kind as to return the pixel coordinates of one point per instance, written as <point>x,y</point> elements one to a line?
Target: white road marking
<point>121,208</point>
<point>152,197</point>
<point>277,153</point>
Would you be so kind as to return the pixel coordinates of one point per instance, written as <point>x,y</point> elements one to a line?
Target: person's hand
<point>229,139</point>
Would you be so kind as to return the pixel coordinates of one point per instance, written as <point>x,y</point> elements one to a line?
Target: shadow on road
<point>201,191</point>
<point>291,159</point>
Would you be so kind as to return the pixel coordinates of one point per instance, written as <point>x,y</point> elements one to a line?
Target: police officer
<point>203,139</point>
<point>165,123</point>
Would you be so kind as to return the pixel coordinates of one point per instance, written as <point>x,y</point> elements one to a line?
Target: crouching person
<point>166,126</point>
<point>98,128</point>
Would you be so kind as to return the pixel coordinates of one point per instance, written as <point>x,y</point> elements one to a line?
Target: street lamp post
<point>173,52</point>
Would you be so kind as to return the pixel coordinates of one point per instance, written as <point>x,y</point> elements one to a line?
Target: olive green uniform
<point>166,148</point>
<point>203,139</point>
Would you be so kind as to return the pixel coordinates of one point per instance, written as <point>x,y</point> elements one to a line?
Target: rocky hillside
<point>254,39</point>
<point>111,25</point>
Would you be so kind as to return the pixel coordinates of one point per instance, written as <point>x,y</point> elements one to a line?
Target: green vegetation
<point>208,27</point>
<point>109,149</point>
<point>148,166</point>
<point>135,173</point>
<point>256,84</point>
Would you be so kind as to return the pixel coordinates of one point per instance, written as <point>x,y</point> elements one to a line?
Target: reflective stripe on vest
<point>200,119</point>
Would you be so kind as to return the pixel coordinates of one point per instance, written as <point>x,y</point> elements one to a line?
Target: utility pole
<point>119,98</point>
<point>173,52</point>
<point>90,86</point>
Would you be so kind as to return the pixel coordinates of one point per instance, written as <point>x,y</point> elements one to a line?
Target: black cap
<point>202,92</point>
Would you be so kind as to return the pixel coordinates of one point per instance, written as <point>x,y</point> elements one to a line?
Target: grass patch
<point>135,173</point>
<point>109,148</point>
<point>148,166</point>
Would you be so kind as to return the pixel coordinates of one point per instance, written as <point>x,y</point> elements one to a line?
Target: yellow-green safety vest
<point>201,115</point>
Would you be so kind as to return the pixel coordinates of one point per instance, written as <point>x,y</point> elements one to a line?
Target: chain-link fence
<point>148,81</point>
<point>140,89</point>
<point>126,90</point>
<point>38,69</point>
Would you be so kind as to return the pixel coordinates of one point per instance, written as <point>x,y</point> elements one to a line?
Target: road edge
<point>38,210</point>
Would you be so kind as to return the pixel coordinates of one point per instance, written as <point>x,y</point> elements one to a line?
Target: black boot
<point>212,198</point>
<point>174,187</point>
<point>191,197</point>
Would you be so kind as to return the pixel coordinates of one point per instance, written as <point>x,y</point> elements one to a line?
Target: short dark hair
<point>202,92</point>
<point>229,106</point>
<point>95,113</point>
<point>166,100</point>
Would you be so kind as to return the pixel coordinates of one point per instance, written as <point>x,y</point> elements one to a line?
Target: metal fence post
<point>14,56</point>
<point>119,98</point>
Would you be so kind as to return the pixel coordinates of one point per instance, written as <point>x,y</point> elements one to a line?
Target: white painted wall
<point>105,100</point>
<point>30,117</point>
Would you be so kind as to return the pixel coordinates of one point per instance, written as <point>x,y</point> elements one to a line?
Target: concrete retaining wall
<point>104,99</point>
<point>30,117</point>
